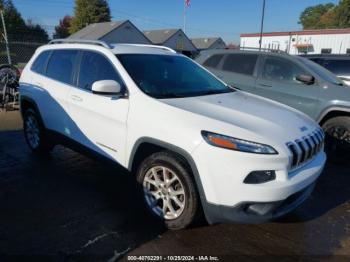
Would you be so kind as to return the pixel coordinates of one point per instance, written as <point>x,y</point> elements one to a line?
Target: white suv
<point>193,142</point>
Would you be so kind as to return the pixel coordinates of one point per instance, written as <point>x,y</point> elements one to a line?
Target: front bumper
<point>256,212</point>
<point>226,198</point>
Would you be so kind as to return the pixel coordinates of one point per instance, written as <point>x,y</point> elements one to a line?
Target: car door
<point>277,81</point>
<point>99,120</point>
<point>56,83</point>
<point>238,70</point>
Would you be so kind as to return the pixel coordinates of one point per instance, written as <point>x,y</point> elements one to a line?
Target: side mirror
<point>106,87</point>
<point>306,79</point>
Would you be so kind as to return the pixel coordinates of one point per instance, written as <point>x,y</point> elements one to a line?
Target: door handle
<point>265,85</point>
<point>76,98</point>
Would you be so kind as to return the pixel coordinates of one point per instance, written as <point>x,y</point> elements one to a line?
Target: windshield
<point>165,76</point>
<point>321,71</point>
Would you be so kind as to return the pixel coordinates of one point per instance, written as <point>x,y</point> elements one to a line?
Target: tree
<point>89,11</point>
<point>311,16</point>
<point>17,29</point>
<point>62,30</point>
<point>342,14</point>
<point>15,24</point>
<point>35,33</point>
<point>328,20</point>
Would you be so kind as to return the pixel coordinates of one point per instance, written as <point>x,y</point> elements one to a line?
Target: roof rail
<point>263,49</point>
<point>79,41</point>
<point>152,46</point>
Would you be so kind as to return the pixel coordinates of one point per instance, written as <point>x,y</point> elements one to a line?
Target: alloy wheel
<point>164,192</point>
<point>339,136</point>
<point>32,131</point>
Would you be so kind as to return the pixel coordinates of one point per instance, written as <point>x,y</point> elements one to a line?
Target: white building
<point>326,41</point>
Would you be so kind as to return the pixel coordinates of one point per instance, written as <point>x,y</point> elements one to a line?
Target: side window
<point>95,67</point>
<point>213,61</point>
<point>40,63</point>
<point>240,63</point>
<point>276,69</point>
<point>338,66</point>
<point>61,65</point>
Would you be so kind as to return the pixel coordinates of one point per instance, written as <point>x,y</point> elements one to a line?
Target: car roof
<point>141,49</point>
<point>240,51</point>
<point>113,48</point>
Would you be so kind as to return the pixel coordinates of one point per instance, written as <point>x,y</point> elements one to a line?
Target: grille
<point>306,148</point>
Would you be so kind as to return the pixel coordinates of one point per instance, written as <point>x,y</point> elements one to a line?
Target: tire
<point>34,133</point>
<point>337,144</point>
<point>179,194</point>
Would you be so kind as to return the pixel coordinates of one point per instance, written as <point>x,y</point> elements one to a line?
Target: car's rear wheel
<point>34,133</point>
<point>168,189</point>
<point>337,145</point>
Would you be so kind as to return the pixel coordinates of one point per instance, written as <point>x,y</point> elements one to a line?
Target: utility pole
<point>5,37</point>
<point>184,17</point>
<point>262,25</point>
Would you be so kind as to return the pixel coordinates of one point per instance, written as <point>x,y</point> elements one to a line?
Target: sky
<point>204,18</point>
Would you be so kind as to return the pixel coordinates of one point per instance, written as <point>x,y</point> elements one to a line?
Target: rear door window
<point>213,61</point>
<point>240,63</point>
<point>95,67</point>
<point>39,65</point>
<point>61,65</point>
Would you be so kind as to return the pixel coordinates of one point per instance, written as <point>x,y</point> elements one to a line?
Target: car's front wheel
<point>168,189</point>
<point>337,132</point>
<point>34,133</point>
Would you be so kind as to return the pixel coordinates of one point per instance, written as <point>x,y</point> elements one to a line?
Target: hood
<point>250,112</point>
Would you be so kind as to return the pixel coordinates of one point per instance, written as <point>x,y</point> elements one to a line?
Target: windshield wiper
<point>214,92</point>
<point>172,95</point>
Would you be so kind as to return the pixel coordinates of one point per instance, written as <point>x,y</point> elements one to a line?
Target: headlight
<point>237,144</point>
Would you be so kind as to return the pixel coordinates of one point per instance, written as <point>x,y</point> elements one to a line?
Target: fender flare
<point>330,109</point>
<point>34,104</point>
<point>182,153</point>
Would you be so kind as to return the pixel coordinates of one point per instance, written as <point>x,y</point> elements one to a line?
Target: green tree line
<point>326,16</point>
<point>85,13</point>
<point>17,28</point>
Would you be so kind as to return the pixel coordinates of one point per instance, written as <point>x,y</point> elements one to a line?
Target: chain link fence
<point>20,52</point>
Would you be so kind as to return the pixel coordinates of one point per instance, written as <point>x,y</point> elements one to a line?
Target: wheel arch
<point>146,145</point>
<point>333,112</point>
<point>27,102</point>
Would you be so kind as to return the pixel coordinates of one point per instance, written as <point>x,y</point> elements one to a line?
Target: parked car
<point>291,80</point>
<point>337,64</point>
<point>191,140</point>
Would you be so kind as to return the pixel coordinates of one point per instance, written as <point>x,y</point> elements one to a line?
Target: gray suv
<point>291,80</point>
